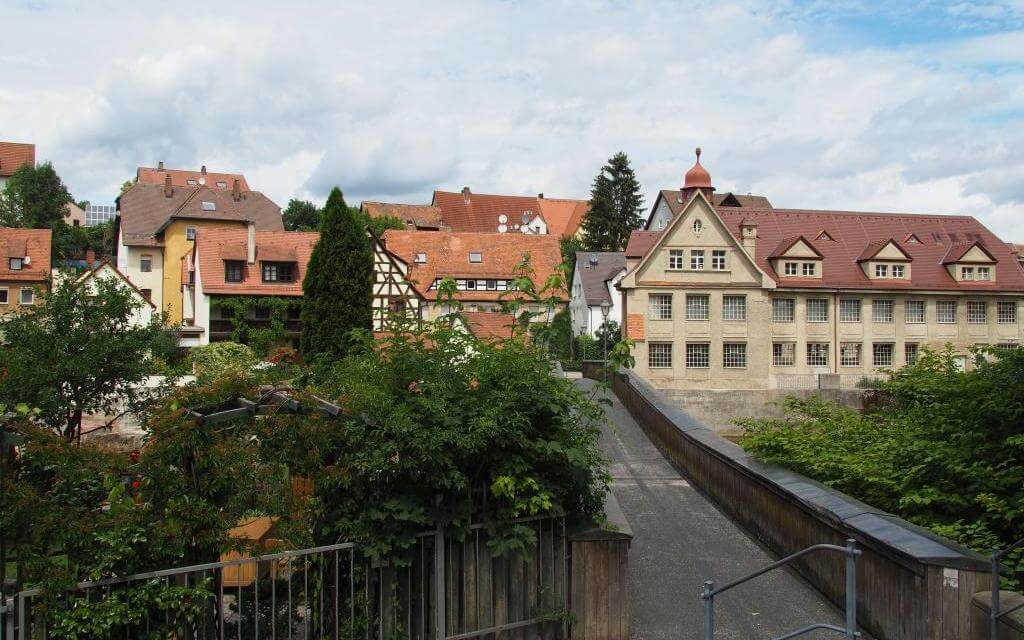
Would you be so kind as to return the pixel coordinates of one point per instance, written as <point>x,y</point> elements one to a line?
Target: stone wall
<point>718,409</point>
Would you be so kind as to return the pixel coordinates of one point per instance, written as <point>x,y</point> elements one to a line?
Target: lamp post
<point>606,306</point>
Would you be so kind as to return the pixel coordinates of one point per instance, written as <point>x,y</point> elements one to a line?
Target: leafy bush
<point>945,448</point>
<point>217,359</point>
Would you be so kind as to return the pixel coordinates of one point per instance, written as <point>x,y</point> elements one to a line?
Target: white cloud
<point>392,99</point>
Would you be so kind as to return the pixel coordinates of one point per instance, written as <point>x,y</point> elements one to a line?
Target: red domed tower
<point>697,179</point>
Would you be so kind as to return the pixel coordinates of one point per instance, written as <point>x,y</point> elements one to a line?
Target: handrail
<point>849,630</point>
<point>994,613</point>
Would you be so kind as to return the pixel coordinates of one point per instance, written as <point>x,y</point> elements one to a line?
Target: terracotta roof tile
<point>563,216</point>
<point>872,249</point>
<point>481,212</point>
<point>15,154</point>
<point>34,244</point>
<point>956,252</point>
<point>181,178</point>
<point>415,216</point>
<point>675,204</point>
<point>447,255</point>
<point>213,245</point>
<point>787,243</point>
<point>486,325</point>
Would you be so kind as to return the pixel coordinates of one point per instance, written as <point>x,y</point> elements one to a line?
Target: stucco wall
<point>719,409</point>
<point>175,247</point>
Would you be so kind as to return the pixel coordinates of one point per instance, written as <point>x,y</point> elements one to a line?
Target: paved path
<point>681,539</point>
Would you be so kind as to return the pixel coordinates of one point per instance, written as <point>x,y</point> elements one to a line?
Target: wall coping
<point>614,527</point>
<point>882,531</point>
<point>1007,600</point>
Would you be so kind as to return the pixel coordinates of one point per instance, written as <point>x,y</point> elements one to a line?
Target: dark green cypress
<point>338,288</point>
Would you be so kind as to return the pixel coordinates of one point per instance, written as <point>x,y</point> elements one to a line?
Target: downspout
<point>835,332</point>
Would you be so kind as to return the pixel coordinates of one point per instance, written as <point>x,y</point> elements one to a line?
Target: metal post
<point>439,591</point>
<point>993,615</point>
<point>851,589</point>
<point>709,610</point>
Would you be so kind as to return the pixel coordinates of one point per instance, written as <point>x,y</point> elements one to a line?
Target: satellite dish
<point>27,260</point>
<point>503,218</point>
<point>526,217</point>
<point>502,228</point>
<point>515,226</point>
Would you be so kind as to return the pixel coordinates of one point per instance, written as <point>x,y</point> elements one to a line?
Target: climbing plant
<point>241,310</point>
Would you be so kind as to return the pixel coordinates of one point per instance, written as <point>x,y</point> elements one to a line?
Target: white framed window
<point>1006,312</point>
<point>476,256</point>
<point>792,268</point>
<point>698,355</point>
<point>734,355</point>
<point>945,312</point>
<point>817,310</point>
<point>734,307</point>
<point>849,354</point>
<point>28,296</point>
<point>881,354</point>
<point>675,259</point>
<point>783,354</point>
<point>783,309</point>
<point>984,273</point>
<point>817,354</point>
<point>914,311</point>
<point>899,271</point>
<point>190,232</point>
<point>697,306</point>
<point>810,269</point>
<point>4,293</point>
<point>718,260</point>
<point>697,259</point>
<point>16,264</point>
<point>145,263</point>
<point>881,271</point>
<point>471,285</point>
<point>660,306</point>
<point>977,312</point>
<point>849,310</point>
<point>659,355</point>
<point>967,273</point>
<point>910,350</point>
<point>882,311</point>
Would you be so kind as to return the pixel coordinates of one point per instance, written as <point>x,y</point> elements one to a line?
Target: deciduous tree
<point>34,197</point>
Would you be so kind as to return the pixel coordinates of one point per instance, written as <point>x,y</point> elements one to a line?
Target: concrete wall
<point>1011,625</point>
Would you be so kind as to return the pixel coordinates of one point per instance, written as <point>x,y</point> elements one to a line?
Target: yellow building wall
<point>14,287</point>
<point>175,247</point>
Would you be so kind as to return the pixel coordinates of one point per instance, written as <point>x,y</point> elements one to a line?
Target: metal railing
<point>849,630</point>
<point>451,587</point>
<point>997,570</point>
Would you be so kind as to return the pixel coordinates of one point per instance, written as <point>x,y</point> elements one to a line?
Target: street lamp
<point>606,306</point>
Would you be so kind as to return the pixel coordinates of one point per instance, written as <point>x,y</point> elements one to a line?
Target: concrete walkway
<point>681,540</point>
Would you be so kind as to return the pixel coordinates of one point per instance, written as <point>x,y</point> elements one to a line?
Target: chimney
<point>160,166</point>
<point>167,186</point>
<point>465,194</point>
<point>90,258</point>
<point>236,191</point>
<point>748,233</point>
<point>250,243</point>
<point>540,196</point>
<point>203,170</point>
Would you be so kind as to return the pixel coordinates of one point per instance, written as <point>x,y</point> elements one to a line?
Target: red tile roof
<point>675,202</point>
<point>415,216</point>
<point>448,256</point>
<point>563,216</point>
<point>787,243</point>
<point>481,211</point>
<point>34,244</point>
<point>872,249</point>
<point>489,326</point>
<point>15,154</point>
<point>181,177</point>
<point>215,245</point>
<point>145,210</point>
<point>956,252</point>
<point>854,231</point>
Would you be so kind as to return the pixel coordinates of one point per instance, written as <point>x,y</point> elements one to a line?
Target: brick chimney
<point>202,170</point>
<point>465,194</point>
<point>540,196</point>
<point>250,242</point>
<point>168,190</point>
<point>160,166</point>
<point>236,190</point>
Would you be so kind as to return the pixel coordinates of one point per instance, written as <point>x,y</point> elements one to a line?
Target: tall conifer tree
<point>615,206</point>
<point>338,288</point>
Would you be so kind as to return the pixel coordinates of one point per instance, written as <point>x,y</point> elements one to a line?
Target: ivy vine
<point>261,338</point>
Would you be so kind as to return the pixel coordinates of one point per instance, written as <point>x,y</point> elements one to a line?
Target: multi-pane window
<point>1006,311</point>
<point>810,269</point>
<point>734,307</point>
<point>783,309</point>
<point>734,355</point>
<point>945,312</point>
<point>849,354</point>
<point>675,258</point>
<point>718,260</point>
<point>233,271</point>
<point>698,355</point>
<point>910,352</point>
<point>660,306</point>
<point>882,354</point>
<point>881,271</point>
<point>697,305</point>
<point>817,354</point>
<point>697,259</point>
<point>1008,345</point>
<point>659,355</point>
<point>914,311</point>
<point>977,312</point>
<point>984,273</point>
<point>792,268</point>
<point>783,354</point>
<point>817,310</point>
<point>277,272</point>
<point>849,310</point>
<point>898,271</point>
<point>881,311</point>
<point>28,296</point>
<point>967,273</point>
<point>146,263</point>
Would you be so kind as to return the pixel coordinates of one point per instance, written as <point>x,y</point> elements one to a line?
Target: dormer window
<point>984,273</point>
<point>233,270</point>
<point>277,272</point>
<point>881,271</point>
<point>810,269</point>
<point>792,268</point>
<point>16,264</point>
<point>967,273</point>
<point>899,271</point>
<point>476,257</point>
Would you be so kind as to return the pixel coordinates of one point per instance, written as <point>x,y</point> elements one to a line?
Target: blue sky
<point>907,106</point>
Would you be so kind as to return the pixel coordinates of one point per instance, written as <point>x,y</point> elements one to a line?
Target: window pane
<point>898,270</point>
<point>817,310</point>
<point>660,306</point>
<point>915,311</point>
<point>28,296</point>
<point>791,268</point>
<point>882,354</point>
<point>882,310</point>
<point>698,355</point>
<point>817,354</point>
<point>783,309</point>
<point>810,269</point>
<point>849,354</point>
<point>734,355</point>
<point>910,352</point>
<point>1007,312</point>
<point>718,260</point>
<point>659,355</point>
<point>849,310</point>
<point>3,296</point>
<point>675,259</point>
<point>697,259</point>
<point>784,354</point>
<point>697,306</point>
<point>977,312</point>
<point>734,307</point>
<point>945,312</point>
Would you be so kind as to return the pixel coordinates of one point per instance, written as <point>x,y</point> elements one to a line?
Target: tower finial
<point>698,154</point>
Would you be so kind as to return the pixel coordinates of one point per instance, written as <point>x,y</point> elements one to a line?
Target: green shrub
<point>217,359</point>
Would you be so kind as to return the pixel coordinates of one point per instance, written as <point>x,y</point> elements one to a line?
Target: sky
<point>911,106</point>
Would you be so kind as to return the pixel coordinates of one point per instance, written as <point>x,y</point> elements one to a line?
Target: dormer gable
<point>885,260</point>
<point>970,262</point>
<point>824,236</point>
<point>911,238</point>
<point>797,257</point>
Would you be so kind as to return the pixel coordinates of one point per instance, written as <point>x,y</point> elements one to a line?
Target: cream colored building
<point>727,298</point>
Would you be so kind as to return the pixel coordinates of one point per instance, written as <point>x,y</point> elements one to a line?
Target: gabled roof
<point>595,269</point>
<point>145,210</point>
<point>447,255</point>
<point>414,216</point>
<point>181,178</point>
<point>107,265</point>
<point>640,242</point>
<point>872,248</point>
<point>787,243</point>
<point>15,154</point>
<point>674,199</point>
<point>481,212</point>
<point>34,244</point>
<point>214,246</point>
<point>563,216</point>
<point>956,252</point>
